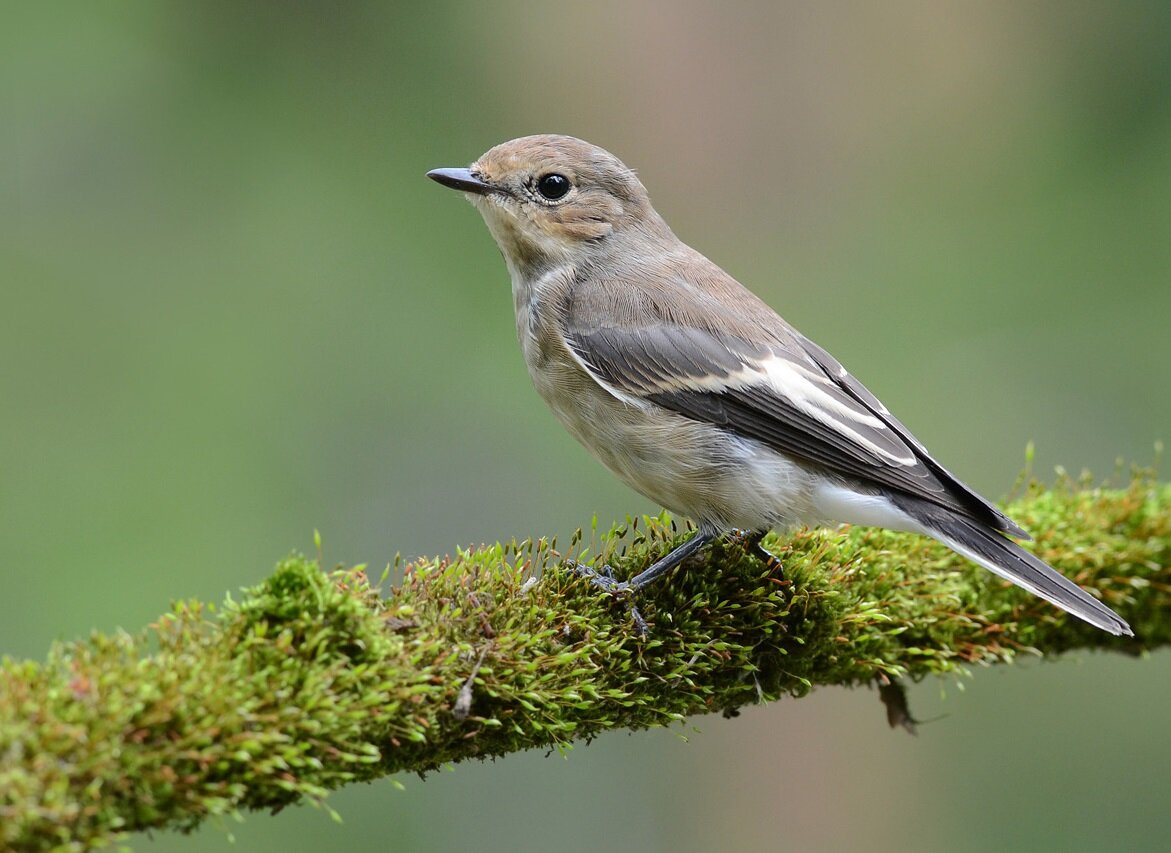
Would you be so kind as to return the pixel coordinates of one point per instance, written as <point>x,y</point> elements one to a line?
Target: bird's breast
<point>689,467</point>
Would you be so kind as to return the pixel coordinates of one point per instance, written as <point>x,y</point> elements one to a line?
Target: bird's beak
<point>461,179</point>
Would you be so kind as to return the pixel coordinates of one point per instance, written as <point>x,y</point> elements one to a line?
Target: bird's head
<point>550,200</point>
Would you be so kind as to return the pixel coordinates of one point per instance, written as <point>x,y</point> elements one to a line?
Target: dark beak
<point>461,179</point>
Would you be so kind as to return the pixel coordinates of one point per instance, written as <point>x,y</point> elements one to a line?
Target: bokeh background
<point>233,310</point>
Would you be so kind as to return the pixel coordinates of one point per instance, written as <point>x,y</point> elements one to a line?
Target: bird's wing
<point>681,347</point>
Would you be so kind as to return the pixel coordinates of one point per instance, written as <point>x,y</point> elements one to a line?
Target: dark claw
<point>603,579</point>
<point>640,624</point>
<point>751,543</point>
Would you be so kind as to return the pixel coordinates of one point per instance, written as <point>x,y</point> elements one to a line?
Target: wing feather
<point>682,348</point>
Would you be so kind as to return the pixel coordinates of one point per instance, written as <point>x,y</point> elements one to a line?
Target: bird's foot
<point>603,579</point>
<point>750,541</point>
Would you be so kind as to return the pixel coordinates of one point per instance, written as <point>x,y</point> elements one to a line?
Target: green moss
<point>316,679</point>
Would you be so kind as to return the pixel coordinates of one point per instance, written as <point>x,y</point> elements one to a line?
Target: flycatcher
<point>696,393</point>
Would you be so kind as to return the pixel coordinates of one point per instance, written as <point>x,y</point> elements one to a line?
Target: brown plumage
<point>693,390</point>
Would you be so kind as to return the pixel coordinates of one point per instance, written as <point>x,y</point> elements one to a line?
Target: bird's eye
<point>553,186</point>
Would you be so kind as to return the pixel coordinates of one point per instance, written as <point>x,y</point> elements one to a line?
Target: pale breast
<point>691,468</point>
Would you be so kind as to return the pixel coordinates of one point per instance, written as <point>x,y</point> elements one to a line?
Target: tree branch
<point>314,680</point>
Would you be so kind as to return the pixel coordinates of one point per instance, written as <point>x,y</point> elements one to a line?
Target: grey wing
<point>778,388</point>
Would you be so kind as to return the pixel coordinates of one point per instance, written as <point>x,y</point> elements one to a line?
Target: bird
<point>695,392</point>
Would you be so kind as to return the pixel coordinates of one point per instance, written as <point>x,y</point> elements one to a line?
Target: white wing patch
<point>811,391</point>
<point>817,396</point>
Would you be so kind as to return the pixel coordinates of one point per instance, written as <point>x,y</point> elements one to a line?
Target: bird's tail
<point>1000,555</point>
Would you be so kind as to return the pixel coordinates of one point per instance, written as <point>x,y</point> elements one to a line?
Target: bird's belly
<point>698,470</point>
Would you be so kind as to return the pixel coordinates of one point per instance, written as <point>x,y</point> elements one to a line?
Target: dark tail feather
<point>1005,558</point>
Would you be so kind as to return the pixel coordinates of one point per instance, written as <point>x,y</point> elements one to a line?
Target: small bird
<point>697,394</point>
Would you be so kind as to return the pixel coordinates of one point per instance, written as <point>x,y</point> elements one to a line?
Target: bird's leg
<point>750,540</point>
<point>604,577</point>
<point>672,559</point>
<point>605,580</point>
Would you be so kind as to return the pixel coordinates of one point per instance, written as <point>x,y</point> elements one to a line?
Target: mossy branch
<point>314,680</point>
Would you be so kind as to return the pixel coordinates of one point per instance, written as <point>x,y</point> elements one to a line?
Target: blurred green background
<point>234,310</point>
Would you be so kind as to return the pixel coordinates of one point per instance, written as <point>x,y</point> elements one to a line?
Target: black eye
<point>553,186</point>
